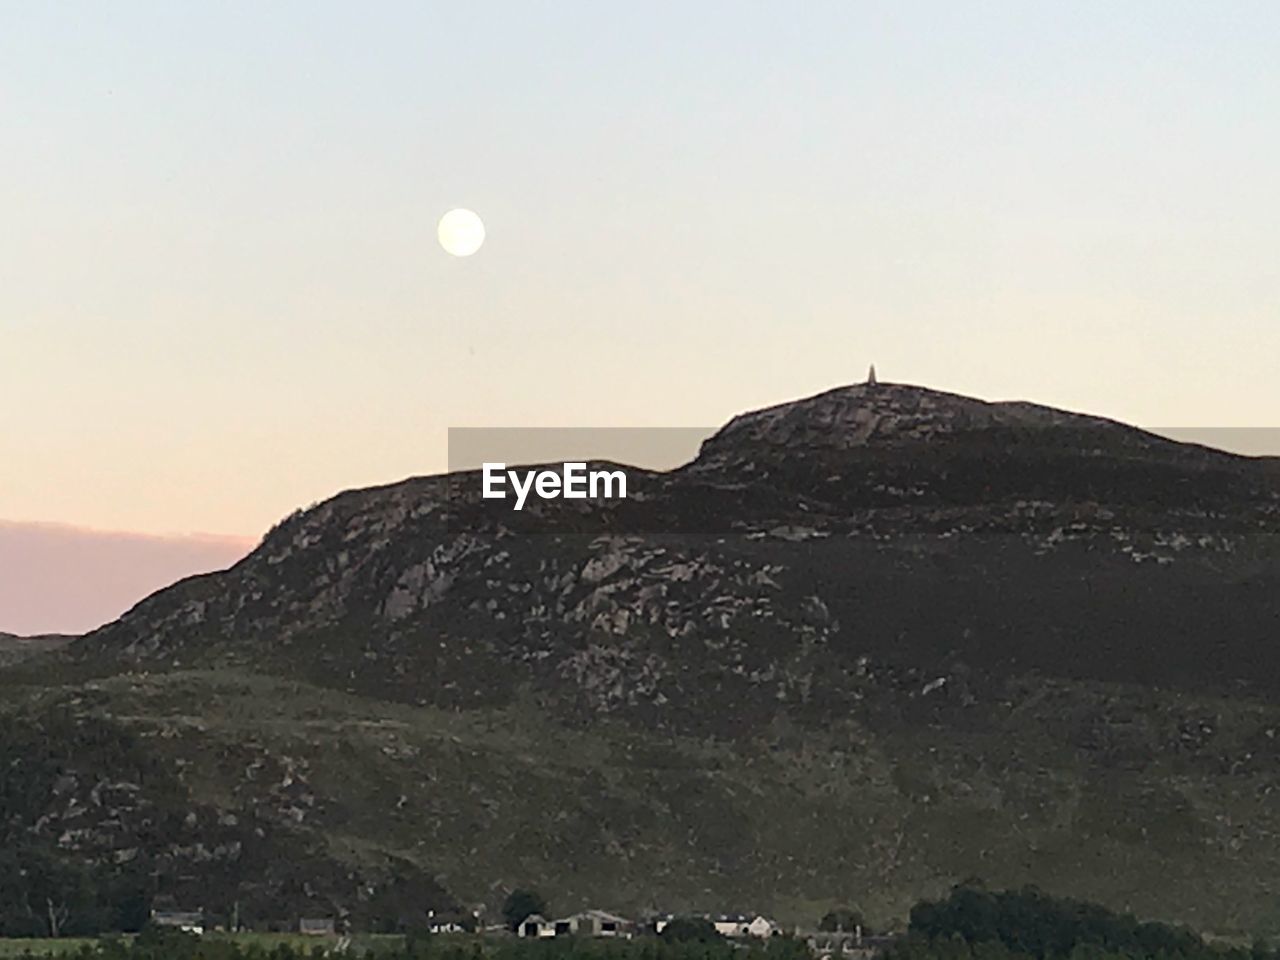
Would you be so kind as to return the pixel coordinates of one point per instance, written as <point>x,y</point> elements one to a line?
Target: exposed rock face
<point>877,560</point>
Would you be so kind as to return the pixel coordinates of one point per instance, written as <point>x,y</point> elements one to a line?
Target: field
<point>44,947</point>
<point>362,943</point>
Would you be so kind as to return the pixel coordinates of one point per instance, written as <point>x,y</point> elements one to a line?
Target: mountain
<point>865,645</point>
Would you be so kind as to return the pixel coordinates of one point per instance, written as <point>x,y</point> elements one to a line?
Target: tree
<point>43,894</point>
<point>843,920</point>
<point>521,904</point>
<point>690,930</point>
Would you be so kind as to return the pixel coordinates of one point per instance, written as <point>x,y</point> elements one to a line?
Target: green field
<point>361,943</point>
<point>46,947</point>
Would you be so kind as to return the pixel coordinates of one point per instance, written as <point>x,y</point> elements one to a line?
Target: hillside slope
<point>866,644</point>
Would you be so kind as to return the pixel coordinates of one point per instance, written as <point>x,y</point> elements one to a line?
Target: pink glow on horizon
<point>58,578</point>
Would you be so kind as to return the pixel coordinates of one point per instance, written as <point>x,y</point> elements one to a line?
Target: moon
<point>461,232</point>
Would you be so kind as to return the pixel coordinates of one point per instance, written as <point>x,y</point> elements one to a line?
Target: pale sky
<point>221,295</point>
<point>63,579</point>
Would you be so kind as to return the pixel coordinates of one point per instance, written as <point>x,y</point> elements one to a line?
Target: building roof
<point>601,915</point>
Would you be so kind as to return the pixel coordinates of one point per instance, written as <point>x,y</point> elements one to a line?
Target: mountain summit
<point>888,412</point>
<point>866,644</point>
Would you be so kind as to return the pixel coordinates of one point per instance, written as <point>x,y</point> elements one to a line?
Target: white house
<point>659,923</point>
<point>535,925</point>
<point>452,922</point>
<point>189,921</point>
<point>593,923</point>
<point>737,925</point>
<point>763,927</point>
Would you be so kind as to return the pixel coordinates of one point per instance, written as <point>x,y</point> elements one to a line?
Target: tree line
<point>974,923</point>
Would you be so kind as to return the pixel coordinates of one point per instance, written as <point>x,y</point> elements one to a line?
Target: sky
<point>221,295</point>
<point>65,579</point>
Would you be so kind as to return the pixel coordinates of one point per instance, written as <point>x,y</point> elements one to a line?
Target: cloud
<point>56,578</point>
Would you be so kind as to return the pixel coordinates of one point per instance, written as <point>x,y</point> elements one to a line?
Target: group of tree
<point>43,894</point>
<point>45,890</point>
<point>690,930</point>
<point>522,904</point>
<point>974,923</point>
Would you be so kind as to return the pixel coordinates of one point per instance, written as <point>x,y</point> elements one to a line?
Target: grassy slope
<point>1148,801</point>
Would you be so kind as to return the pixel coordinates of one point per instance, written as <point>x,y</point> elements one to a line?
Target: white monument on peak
<point>871,376</point>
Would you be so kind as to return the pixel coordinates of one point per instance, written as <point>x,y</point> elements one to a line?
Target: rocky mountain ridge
<point>937,490</point>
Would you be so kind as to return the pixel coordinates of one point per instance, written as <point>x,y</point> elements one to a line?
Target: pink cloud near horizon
<point>57,578</point>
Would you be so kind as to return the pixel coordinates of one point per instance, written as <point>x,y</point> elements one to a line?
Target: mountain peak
<point>878,412</point>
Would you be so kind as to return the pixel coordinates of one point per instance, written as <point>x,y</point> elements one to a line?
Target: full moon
<point>461,232</point>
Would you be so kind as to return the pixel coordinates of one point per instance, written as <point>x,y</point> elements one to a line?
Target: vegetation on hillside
<point>691,930</point>
<point>1115,789</point>
<point>98,825</point>
<point>977,924</point>
<point>43,892</point>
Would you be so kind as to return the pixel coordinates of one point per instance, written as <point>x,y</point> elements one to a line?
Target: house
<point>188,921</point>
<point>454,922</point>
<point>448,925</point>
<point>316,926</point>
<point>737,925</point>
<point>730,924</point>
<point>763,928</point>
<point>593,923</point>
<point>535,925</point>
<point>657,922</point>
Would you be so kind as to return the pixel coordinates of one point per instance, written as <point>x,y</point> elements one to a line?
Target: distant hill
<point>14,648</point>
<point>865,645</point>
